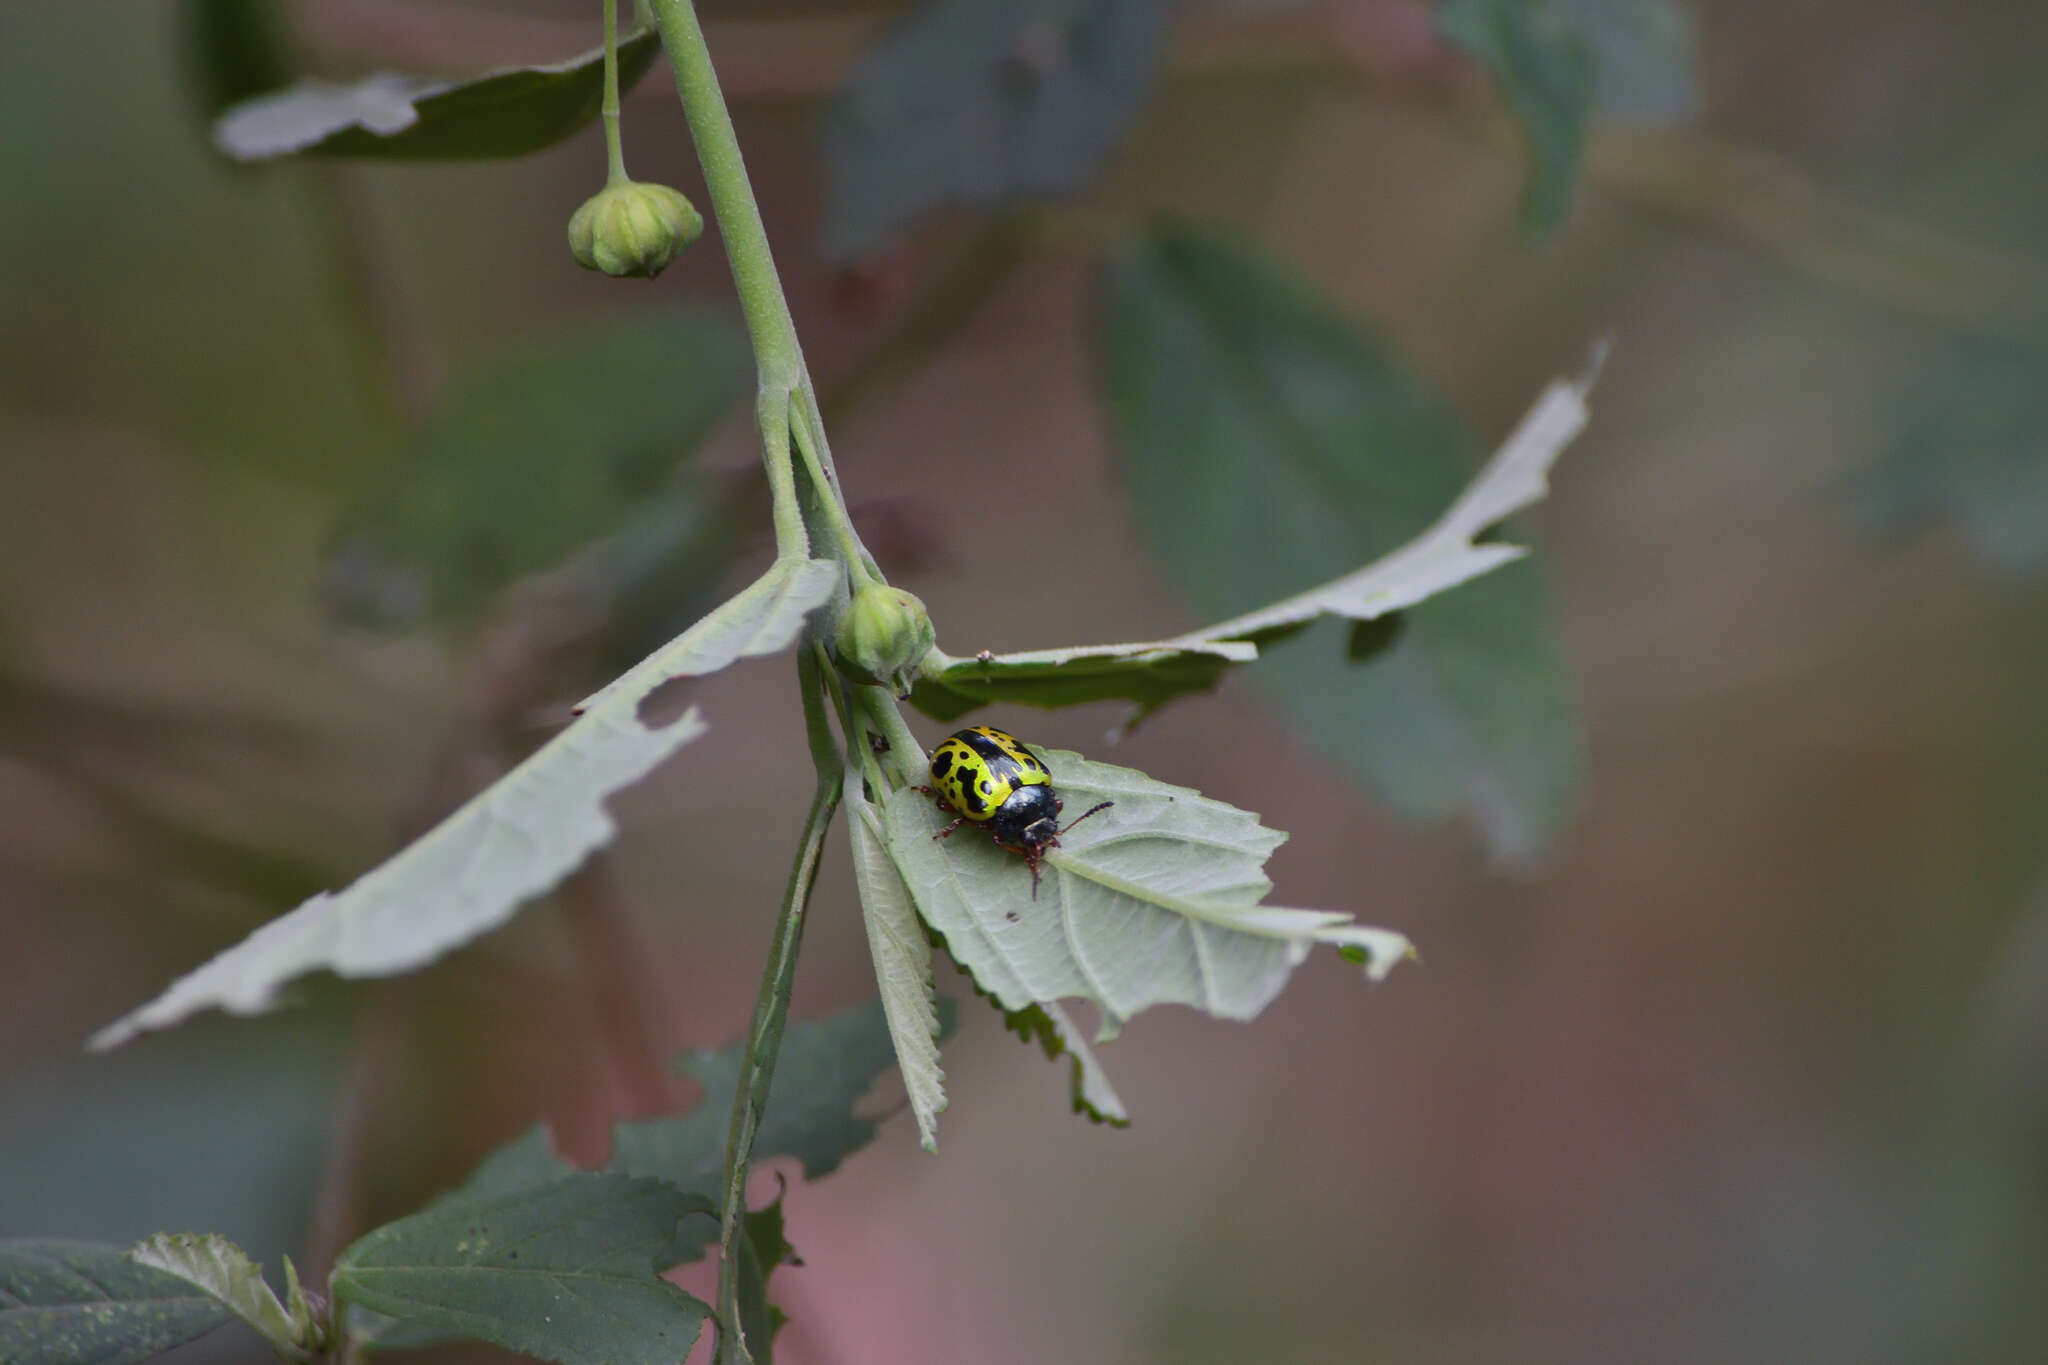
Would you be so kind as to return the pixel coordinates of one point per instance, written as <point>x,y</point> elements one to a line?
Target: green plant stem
<point>771,1005</point>
<point>786,393</point>
<point>615,155</point>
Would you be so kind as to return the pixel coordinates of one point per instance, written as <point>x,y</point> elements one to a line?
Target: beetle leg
<point>950,828</point>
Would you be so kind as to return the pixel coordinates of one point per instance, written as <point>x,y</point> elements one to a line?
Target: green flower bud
<point>884,634</point>
<point>633,229</point>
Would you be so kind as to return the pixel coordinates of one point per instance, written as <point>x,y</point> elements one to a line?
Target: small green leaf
<point>1545,70</point>
<point>82,1303</point>
<point>566,1271</point>
<point>502,114</point>
<point>1645,57</point>
<point>903,960</point>
<point>763,1248</point>
<point>540,452</point>
<point>1271,443</point>
<point>234,50</point>
<point>510,843</point>
<point>219,1268</point>
<point>1970,446</point>
<point>982,102</point>
<point>1154,901</point>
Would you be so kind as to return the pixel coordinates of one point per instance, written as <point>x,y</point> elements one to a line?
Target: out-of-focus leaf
<point>1544,66</point>
<point>826,1066</point>
<point>1645,57</point>
<point>763,1248</point>
<point>981,102</point>
<point>545,450</point>
<point>501,114</point>
<point>1154,901</point>
<point>903,960</point>
<point>234,49</point>
<point>567,1271</point>
<point>84,1303</point>
<point>1272,443</point>
<point>510,843</point>
<point>220,1269</point>
<point>1971,446</point>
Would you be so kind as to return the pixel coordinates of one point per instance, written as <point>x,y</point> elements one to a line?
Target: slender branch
<point>776,352</point>
<point>614,151</point>
<point>771,1006</point>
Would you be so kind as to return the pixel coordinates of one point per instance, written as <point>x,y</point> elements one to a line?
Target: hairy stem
<point>771,1006</point>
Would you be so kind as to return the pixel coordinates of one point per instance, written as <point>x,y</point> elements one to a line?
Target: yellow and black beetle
<point>986,776</point>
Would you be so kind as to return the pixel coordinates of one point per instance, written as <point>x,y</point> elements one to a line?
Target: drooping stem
<point>615,155</point>
<point>771,1005</point>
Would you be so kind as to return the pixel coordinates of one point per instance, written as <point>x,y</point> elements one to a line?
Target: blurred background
<point>1748,1061</point>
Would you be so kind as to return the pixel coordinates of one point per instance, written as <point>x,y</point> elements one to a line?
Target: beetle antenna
<point>1086,813</point>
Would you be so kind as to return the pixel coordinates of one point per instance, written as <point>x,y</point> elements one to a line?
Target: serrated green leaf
<point>565,1271</point>
<point>982,102</point>
<point>84,1303</point>
<point>1645,57</point>
<point>1545,70</point>
<point>510,843</point>
<point>763,1248</point>
<point>1047,1025</point>
<point>234,50</point>
<point>1970,446</point>
<point>540,452</point>
<point>1154,901</point>
<point>903,960</point>
<point>500,114</point>
<point>1271,443</point>
<point>219,1268</point>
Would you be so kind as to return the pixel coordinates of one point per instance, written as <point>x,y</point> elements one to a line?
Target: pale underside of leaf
<point>1154,901</point>
<point>1443,557</point>
<point>219,1268</point>
<point>1448,553</point>
<point>903,961</point>
<point>316,115</point>
<point>512,842</point>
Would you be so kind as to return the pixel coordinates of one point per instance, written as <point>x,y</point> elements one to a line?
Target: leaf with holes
<point>1154,901</point>
<point>1272,442</point>
<point>512,842</point>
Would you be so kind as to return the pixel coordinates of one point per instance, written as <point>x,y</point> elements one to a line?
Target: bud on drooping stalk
<point>883,635</point>
<point>630,228</point>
